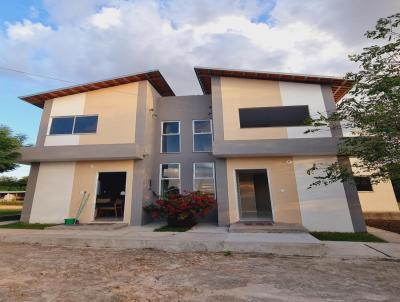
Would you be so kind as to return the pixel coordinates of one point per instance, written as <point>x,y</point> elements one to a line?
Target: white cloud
<point>96,39</point>
<point>106,18</point>
<point>26,30</point>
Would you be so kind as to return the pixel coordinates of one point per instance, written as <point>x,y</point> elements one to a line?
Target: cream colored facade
<point>381,199</point>
<point>116,106</point>
<point>282,187</point>
<point>60,186</point>
<point>129,134</point>
<point>85,179</point>
<point>245,93</point>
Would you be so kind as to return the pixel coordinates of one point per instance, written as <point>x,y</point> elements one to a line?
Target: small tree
<point>9,183</point>
<point>372,111</point>
<point>9,145</point>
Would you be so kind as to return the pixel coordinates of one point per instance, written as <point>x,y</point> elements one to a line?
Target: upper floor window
<point>202,136</point>
<point>170,179</point>
<point>74,124</point>
<point>203,177</point>
<point>363,183</point>
<point>170,137</point>
<point>85,124</point>
<point>284,116</point>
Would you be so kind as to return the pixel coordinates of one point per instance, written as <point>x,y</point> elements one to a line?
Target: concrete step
<point>300,244</point>
<point>266,227</point>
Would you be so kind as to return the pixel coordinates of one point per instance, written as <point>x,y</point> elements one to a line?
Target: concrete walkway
<point>201,238</point>
<point>385,235</point>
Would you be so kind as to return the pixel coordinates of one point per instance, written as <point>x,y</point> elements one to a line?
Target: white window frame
<point>163,178</point>
<point>168,134</point>
<point>195,178</point>
<point>194,133</point>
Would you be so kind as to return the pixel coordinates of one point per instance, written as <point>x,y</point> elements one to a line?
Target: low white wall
<point>323,208</point>
<point>53,190</point>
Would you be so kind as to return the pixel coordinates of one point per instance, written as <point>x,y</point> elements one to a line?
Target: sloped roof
<point>339,85</point>
<point>154,77</point>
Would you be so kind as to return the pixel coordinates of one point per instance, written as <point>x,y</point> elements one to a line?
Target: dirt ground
<point>43,273</point>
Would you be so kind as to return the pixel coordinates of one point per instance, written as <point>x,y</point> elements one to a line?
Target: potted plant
<point>182,210</point>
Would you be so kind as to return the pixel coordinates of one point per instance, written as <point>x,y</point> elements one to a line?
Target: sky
<point>87,40</point>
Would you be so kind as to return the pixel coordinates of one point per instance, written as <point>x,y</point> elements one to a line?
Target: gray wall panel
<point>44,121</point>
<point>276,147</point>
<point>353,201</point>
<point>184,109</point>
<point>80,152</point>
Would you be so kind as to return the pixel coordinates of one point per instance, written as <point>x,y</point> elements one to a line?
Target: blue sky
<point>82,41</point>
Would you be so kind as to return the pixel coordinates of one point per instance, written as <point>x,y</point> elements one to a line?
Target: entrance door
<point>254,195</point>
<point>110,197</point>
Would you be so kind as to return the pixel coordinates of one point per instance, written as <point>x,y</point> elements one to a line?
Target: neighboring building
<point>127,140</point>
<point>11,195</point>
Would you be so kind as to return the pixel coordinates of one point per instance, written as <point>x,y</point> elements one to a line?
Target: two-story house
<point>128,139</point>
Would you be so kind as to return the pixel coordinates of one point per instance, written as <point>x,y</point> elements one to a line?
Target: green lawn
<point>355,237</point>
<point>22,225</point>
<point>167,228</point>
<point>9,212</point>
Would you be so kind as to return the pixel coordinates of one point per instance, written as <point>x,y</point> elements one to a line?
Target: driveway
<point>45,273</point>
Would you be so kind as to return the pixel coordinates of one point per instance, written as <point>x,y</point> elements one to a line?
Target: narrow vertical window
<point>202,136</point>
<point>170,137</point>
<point>170,179</point>
<point>203,177</point>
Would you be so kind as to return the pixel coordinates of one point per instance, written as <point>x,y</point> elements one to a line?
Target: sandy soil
<point>40,273</point>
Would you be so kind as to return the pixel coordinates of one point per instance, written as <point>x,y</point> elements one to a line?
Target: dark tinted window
<point>363,183</point>
<point>170,143</point>
<point>202,136</point>
<point>62,125</point>
<point>170,127</point>
<point>284,116</point>
<point>170,137</point>
<point>85,124</point>
<point>202,142</point>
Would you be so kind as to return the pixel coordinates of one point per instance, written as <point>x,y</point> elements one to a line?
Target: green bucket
<point>69,221</point>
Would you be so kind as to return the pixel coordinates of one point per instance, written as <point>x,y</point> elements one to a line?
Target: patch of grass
<point>227,253</point>
<point>9,212</point>
<point>355,237</point>
<point>168,228</point>
<point>22,225</point>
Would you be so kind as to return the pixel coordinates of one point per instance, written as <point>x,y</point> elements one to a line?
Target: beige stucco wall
<point>116,109</point>
<point>236,93</point>
<point>381,199</point>
<point>282,184</point>
<point>244,93</point>
<point>85,179</point>
<point>65,106</point>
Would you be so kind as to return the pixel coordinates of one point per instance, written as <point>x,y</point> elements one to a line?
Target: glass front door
<point>254,195</point>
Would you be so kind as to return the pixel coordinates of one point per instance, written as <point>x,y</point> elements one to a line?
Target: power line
<point>37,75</point>
<point>54,78</point>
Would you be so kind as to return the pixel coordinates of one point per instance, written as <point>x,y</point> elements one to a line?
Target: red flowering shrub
<point>182,209</point>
